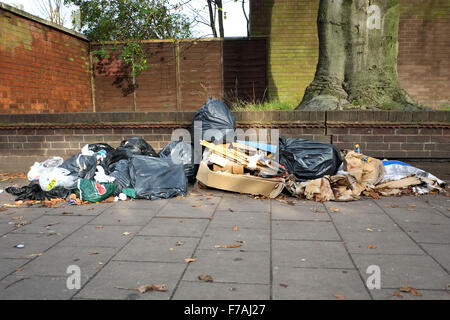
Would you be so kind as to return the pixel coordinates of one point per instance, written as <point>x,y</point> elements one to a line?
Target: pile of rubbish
<point>303,168</point>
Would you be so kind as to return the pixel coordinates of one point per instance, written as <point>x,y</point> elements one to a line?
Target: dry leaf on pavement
<point>371,247</point>
<point>339,296</point>
<point>196,205</point>
<point>227,246</point>
<point>412,291</point>
<point>206,278</point>
<point>190,260</point>
<point>334,209</point>
<point>235,228</point>
<point>146,287</point>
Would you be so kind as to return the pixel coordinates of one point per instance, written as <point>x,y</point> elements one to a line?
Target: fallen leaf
<point>339,296</point>
<point>369,229</point>
<point>371,247</point>
<point>190,260</point>
<point>412,205</point>
<point>284,285</point>
<point>447,288</point>
<point>334,209</point>
<point>290,202</point>
<point>146,287</point>
<point>22,223</point>
<point>179,243</point>
<point>394,205</point>
<point>231,210</point>
<point>414,231</point>
<point>126,233</point>
<point>98,227</point>
<point>235,228</point>
<point>412,291</point>
<point>100,263</point>
<point>51,224</point>
<point>315,210</point>
<point>196,205</point>
<point>397,294</point>
<point>93,253</point>
<point>206,278</point>
<point>34,255</point>
<point>227,246</point>
<point>66,212</point>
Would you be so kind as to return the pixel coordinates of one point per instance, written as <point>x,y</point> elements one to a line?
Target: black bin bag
<point>81,166</point>
<point>139,146</point>
<point>156,178</point>
<point>121,171</point>
<point>308,159</point>
<point>217,122</point>
<point>181,152</point>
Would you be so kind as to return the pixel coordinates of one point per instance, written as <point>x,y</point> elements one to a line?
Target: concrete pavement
<point>251,248</point>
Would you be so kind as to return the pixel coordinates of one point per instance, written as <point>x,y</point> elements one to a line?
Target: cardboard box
<point>240,182</point>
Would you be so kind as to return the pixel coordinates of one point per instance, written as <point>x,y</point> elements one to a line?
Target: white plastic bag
<point>57,177</point>
<point>39,167</point>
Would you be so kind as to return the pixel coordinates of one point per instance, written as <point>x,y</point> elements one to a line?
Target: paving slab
<point>190,290</point>
<point>49,225</point>
<point>384,242</point>
<point>307,254</point>
<point>317,284</point>
<point>100,236</point>
<point>188,209</point>
<point>28,214</point>
<point>175,227</point>
<point>440,252</point>
<point>369,222</point>
<point>250,267</point>
<point>5,228</point>
<point>304,230</point>
<point>388,294</point>
<point>304,210</point>
<point>92,209</point>
<point>34,244</point>
<point>417,271</point>
<point>124,217</point>
<point>140,204</point>
<point>248,239</point>
<point>128,274</point>
<point>428,232</point>
<point>158,249</point>
<point>352,208</point>
<point>244,203</point>
<point>8,266</point>
<point>35,288</point>
<point>242,219</point>
<point>57,259</point>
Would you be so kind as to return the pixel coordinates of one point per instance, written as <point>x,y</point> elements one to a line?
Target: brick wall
<point>290,25</point>
<point>394,135</point>
<point>42,69</point>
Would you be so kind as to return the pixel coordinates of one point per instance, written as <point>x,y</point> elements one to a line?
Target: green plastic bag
<point>89,190</point>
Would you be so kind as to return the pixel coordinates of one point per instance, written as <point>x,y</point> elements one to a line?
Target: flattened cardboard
<point>240,183</point>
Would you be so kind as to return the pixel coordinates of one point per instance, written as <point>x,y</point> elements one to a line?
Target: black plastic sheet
<point>34,192</point>
<point>308,159</point>
<point>121,171</point>
<point>156,178</point>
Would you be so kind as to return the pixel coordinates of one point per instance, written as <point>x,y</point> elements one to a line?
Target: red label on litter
<point>100,188</point>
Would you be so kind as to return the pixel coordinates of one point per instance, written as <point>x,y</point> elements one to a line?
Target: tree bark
<point>358,47</point>
<point>220,9</point>
<point>212,21</point>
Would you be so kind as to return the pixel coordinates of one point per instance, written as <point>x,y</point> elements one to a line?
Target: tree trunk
<point>212,21</point>
<point>358,47</point>
<point>220,9</point>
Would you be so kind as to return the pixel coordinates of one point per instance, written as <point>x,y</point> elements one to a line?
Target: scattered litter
<point>307,169</point>
<point>227,246</point>
<point>144,288</point>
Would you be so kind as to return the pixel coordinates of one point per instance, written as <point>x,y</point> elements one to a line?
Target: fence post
<point>178,72</point>
<point>91,73</point>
